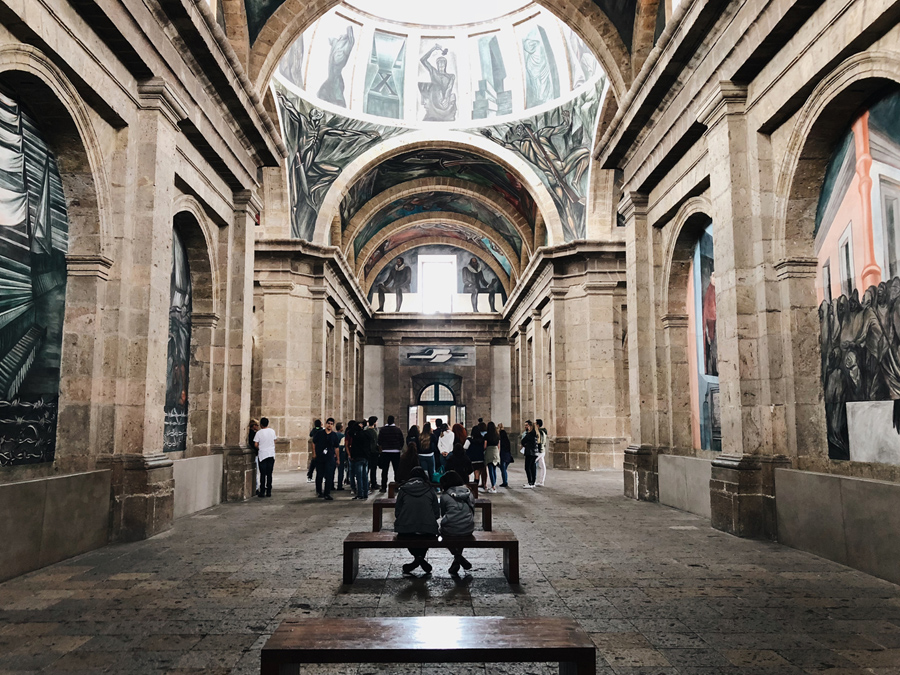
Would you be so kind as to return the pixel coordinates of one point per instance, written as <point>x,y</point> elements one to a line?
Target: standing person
<point>459,434</point>
<point>445,443</point>
<point>409,460</point>
<point>264,442</point>
<point>435,437</point>
<point>358,449</point>
<point>253,427</point>
<point>390,438</point>
<point>374,451</point>
<point>543,444</point>
<point>343,462</point>
<point>529,446</point>
<point>352,429</point>
<point>459,462</point>
<point>311,468</point>
<point>416,516</point>
<point>426,451</point>
<point>492,454</point>
<point>506,456</point>
<point>326,442</point>
<point>475,451</point>
<point>412,436</point>
<point>457,515</point>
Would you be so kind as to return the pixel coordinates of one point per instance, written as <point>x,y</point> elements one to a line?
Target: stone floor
<point>658,590</point>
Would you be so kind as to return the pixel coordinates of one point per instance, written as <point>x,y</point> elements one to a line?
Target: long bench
<point>392,489</point>
<point>379,505</point>
<point>430,639</point>
<point>495,539</point>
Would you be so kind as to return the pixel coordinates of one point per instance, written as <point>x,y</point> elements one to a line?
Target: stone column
<point>742,487</point>
<point>677,433</point>
<point>641,253</point>
<point>142,480</point>
<point>237,246</point>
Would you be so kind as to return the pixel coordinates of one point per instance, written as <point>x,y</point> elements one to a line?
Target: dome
<point>418,63</point>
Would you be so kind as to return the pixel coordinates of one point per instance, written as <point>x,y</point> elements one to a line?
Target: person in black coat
<point>416,516</point>
<point>529,443</point>
<point>506,456</point>
<point>459,462</point>
<point>475,452</point>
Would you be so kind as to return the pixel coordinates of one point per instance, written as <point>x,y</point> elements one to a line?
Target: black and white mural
<point>34,231</point>
<point>179,350</point>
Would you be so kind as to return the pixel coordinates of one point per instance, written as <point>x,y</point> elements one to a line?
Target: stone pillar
<point>142,480</point>
<point>742,487</point>
<point>677,433</point>
<point>642,259</point>
<point>237,245</point>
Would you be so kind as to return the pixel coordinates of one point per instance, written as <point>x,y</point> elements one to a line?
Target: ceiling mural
<point>435,201</point>
<point>438,163</point>
<point>557,143</point>
<point>436,231</point>
<point>320,146</point>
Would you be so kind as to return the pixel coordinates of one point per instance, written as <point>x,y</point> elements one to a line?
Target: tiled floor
<point>658,590</point>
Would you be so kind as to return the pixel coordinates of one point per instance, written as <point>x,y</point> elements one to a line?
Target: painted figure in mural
<point>437,95</point>
<point>398,280</point>
<point>541,79</point>
<point>309,178</point>
<point>475,283</point>
<point>332,89</point>
<point>179,350</point>
<point>710,345</point>
<point>291,64</point>
<point>562,172</point>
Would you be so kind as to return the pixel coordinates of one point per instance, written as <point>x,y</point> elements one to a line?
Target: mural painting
<point>491,96</point>
<point>179,350</point>
<point>35,231</point>
<point>437,83</point>
<point>558,144</point>
<point>858,285</point>
<point>541,73</point>
<point>473,276</point>
<point>582,63</point>
<point>332,89</point>
<point>434,201</point>
<point>384,76</point>
<point>444,230</point>
<point>320,145</point>
<point>706,426</point>
<point>438,163</point>
<point>291,64</point>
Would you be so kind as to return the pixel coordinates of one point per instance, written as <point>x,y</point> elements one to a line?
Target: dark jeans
<point>531,468</point>
<point>427,464</point>
<point>503,468</point>
<point>360,475</point>
<point>492,472</point>
<point>343,467</point>
<point>389,459</point>
<point>326,465</point>
<point>266,466</point>
<point>312,467</point>
<point>418,552</point>
<point>373,472</point>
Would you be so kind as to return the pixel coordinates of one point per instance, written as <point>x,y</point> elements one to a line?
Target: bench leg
<point>487,522</point>
<point>377,517</point>
<point>351,564</point>
<point>511,563</point>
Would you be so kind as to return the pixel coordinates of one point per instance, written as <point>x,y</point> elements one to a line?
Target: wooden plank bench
<point>495,539</point>
<point>392,489</point>
<point>379,505</point>
<point>429,639</point>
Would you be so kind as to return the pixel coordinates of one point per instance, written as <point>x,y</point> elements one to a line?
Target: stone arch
<point>453,140</point>
<point>415,220</point>
<point>836,101</point>
<point>418,186</point>
<point>678,249</point>
<point>199,234</point>
<point>408,246</point>
<point>583,16</point>
<point>30,75</point>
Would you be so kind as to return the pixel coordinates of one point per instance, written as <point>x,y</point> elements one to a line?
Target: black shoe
<point>260,493</point>
<point>328,498</point>
<point>426,567</point>
<point>382,490</point>
<point>409,567</point>
<point>320,495</point>
<point>454,568</point>
<point>506,485</point>
<point>466,565</point>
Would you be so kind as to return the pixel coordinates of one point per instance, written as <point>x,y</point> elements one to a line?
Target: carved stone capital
<point>204,319</point>
<point>796,268</point>
<point>89,266</point>
<point>674,321</point>
<point>727,99</point>
<point>633,205</point>
<point>156,94</point>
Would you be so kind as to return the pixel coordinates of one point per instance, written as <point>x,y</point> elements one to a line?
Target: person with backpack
<point>457,516</point>
<point>416,516</point>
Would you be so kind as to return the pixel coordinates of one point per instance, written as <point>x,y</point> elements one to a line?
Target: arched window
<point>437,394</point>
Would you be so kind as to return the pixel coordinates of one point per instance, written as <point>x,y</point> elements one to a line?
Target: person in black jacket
<point>358,449</point>
<point>459,462</point>
<point>506,456</point>
<point>529,443</point>
<point>475,451</point>
<point>409,460</point>
<point>412,436</point>
<point>416,516</point>
<point>390,439</point>
<point>326,442</point>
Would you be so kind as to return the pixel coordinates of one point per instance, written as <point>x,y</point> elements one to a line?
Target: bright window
<point>437,283</point>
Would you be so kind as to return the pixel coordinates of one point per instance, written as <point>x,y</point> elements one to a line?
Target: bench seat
<point>495,539</point>
<point>379,505</point>
<point>430,639</point>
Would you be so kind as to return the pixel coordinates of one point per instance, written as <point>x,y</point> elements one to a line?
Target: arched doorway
<point>437,401</point>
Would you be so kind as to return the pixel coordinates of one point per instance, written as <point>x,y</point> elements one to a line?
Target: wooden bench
<point>430,639</point>
<point>392,489</point>
<point>379,505</point>
<point>494,539</point>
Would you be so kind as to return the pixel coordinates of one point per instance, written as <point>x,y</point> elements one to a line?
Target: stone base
<point>143,495</point>
<point>641,473</point>
<point>292,454</point>
<point>586,454</point>
<point>742,494</point>
<point>240,472</point>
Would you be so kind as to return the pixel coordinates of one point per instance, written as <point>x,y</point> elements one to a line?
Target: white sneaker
<point>493,491</point>
<point>539,485</point>
<point>528,487</point>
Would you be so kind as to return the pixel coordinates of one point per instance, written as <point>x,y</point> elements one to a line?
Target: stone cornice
<point>204,319</point>
<point>88,266</point>
<point>247,201</point>
<point>796,268</point>
<point>156,94</point>
<point>674,321</point>
<point>728,99</point>
<point>633,204</point>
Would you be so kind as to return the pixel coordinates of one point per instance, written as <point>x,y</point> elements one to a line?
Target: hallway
<point>658,590</point>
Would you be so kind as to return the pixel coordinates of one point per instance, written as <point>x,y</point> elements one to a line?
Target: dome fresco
<point>509,59</point>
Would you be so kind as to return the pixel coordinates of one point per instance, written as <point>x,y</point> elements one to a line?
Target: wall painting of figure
<point>34,234</point>
<point>858,286</point>
<point>437,81</point>
<point>179,349</point>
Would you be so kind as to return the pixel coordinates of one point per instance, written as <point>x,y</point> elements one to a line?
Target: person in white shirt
<point>543,446</point>
<point>265,445</point>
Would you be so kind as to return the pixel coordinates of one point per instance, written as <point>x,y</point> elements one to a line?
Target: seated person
<point>416,515</point>
<point>459,462</point>
<point>458,515</point>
